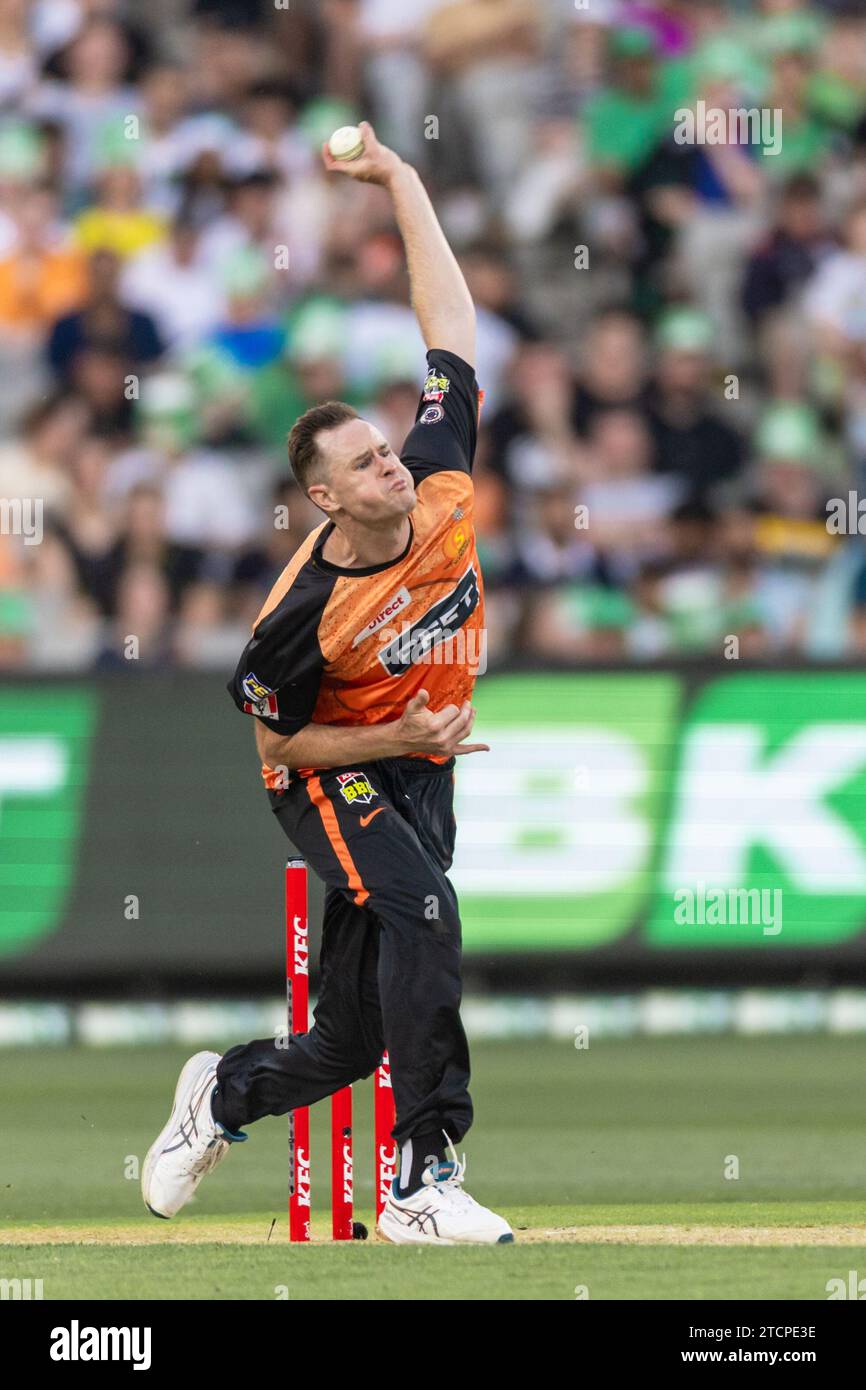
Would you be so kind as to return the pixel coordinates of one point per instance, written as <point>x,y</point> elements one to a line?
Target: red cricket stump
<point>342,1179</point>
<point>297,1001</point>
<point>341,1164</point>
<point>386,1148</point>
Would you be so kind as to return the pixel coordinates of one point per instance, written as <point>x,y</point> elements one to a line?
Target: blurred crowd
<point>672,335</point>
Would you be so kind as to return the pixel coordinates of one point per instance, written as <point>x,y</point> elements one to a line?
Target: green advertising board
<point>609,802</point>
<point>556,825</point>
<point>661,821</point>
<point>769,794</point>
<point>45,754</point>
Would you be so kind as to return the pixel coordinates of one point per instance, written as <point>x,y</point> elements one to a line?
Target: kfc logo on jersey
<point>395,605</point>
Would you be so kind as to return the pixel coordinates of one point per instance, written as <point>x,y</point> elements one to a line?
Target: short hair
<point>305,455</point>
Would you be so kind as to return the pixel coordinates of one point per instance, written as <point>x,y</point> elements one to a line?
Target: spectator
<point>789,257</point>
<point>488,52</point>
<point>394,406</point>
<point>222,284</point>
<point>164,149</point>
<point>17,56</point>
<point>91,98</point>
<point>614,369</point>
<point>139,638</point>
<point>628,118</point>
<point>550,548</point>
<point>250,335</point>
<point>63,626</point>
<point>249,223</point>
<point>787,500</point>
<point>533,441</point>
<point>38,463</point>
<point>271,141</point>
<point>627,504</point>
<point>312,368</point>
<point>117,222</point>
<point>836,294</point>
<point>390,36</point>
<point>169,283</point>
<point>104,540</point>
<point>207,505</point>
<point>42,276</point>
<point>105,323</point>
<point>691,442</point>
<point>207,634</point>
<point>103,377</point>
<point>494,288</point>
<point>290,518</point>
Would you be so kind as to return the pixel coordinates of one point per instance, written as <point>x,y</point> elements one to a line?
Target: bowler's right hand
<point>378,164</point>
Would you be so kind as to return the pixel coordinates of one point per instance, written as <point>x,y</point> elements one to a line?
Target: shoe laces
<point>204,1162</point>
<point>452,1186</point>
<point>208,1145</point>
<point>211,1157</point>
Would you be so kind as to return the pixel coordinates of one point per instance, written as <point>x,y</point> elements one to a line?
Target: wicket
<point>385,1158</point>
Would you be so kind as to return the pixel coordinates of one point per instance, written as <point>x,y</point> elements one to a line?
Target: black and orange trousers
<point>380,835</point>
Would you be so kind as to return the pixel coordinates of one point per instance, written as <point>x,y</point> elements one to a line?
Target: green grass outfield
<point>609,1162</point>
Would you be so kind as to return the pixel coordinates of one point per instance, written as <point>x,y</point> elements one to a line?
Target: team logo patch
<point>432,415</point>
<point>456,541</point>
<point>355,787</point>
<point>436,387</point>
<point>261,700</point>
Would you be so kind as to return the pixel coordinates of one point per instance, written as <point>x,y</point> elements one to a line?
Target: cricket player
<point>359,677</point>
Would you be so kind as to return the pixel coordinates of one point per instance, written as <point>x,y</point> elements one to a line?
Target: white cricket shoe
<point>190,1145</point>
<point>441,1213</point>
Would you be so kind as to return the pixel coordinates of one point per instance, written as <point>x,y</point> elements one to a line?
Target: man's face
<point>801,217</point>
<point>683,370</point>
<point>362,478</point>
<point>104,271</point>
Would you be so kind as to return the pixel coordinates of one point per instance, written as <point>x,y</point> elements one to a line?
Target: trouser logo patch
<point>355,787</point>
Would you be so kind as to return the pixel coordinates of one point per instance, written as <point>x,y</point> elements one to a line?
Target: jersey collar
<point>350,570</point>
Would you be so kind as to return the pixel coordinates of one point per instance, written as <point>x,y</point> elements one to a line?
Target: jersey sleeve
<point>280,671</point>
<point>445,432</point>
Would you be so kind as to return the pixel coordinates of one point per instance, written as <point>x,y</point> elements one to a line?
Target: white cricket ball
<point>346,143</point>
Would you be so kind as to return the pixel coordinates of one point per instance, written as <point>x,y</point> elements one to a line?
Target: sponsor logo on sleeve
<point>436,387</point>
<point>261,700</point>
<point>432,415</point>
<point>395,605</point>
<point>457,540</point>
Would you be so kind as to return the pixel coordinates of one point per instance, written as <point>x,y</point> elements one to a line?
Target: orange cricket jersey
<point>342,646</point>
